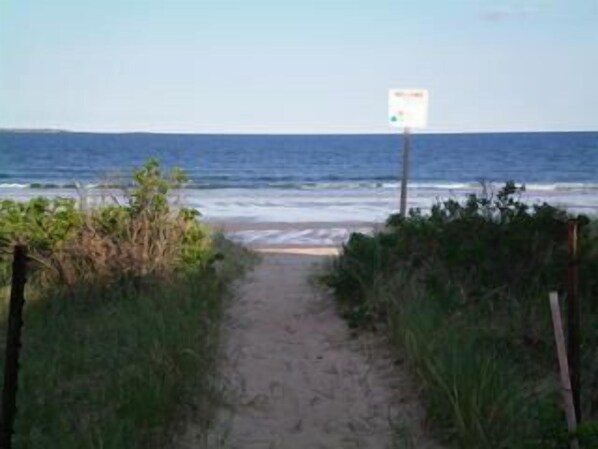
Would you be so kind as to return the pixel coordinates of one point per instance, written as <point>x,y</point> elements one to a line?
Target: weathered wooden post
<point>559,338</point>
<point>13,346</point>
<point>574,318</point>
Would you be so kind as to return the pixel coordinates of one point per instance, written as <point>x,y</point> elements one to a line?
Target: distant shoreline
<point>34,131</point>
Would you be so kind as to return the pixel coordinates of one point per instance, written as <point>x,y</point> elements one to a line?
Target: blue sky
<point>296,65</point>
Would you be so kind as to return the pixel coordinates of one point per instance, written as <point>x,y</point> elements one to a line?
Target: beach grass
<point>124,305</point>
<point>114,371</point>
<point>463,293</point>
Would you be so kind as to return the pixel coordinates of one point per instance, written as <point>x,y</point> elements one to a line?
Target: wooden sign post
<point>406,154</point>
<point>407,109</point>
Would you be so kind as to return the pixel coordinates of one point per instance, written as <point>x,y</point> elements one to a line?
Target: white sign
<point>408,108</point>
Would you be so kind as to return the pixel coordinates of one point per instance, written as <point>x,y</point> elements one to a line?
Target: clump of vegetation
<point>144,237</point>
<point>463,290</point>
<point>122,319</point>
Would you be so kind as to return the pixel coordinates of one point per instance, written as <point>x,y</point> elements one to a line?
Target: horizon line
<point>44,130</point>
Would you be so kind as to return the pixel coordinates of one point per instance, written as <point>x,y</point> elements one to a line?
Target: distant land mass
<point>33,130</point>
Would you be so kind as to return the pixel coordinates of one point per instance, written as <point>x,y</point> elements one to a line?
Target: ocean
<point>305,189</point>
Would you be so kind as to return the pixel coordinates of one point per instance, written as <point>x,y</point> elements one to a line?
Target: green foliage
<point>117,368</point>
<point>150,194</point>
<point>42,224</point>
<point>141,236</point>
<point>122,316</point>
<point>464,291</point>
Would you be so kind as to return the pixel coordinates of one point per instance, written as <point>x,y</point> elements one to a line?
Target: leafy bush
<point>143,237</point>
<point>43,224</point>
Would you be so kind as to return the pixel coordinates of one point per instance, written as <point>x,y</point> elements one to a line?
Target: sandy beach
<point>284,235</point>
<point>297,378</point>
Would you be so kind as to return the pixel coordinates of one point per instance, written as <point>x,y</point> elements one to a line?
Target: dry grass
<point>144,247</point>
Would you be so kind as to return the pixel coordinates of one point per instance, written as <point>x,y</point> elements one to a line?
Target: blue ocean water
<point>306,178</point>
<point>249,161</point>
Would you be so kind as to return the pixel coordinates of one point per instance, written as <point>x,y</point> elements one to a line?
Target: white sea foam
<point>562,186</point>
<point>296,237</point>
<point>329,206</point>
<point>443,185</point>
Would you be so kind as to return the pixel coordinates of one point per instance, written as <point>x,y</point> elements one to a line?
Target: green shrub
<point>144,236</point>
<point>122,316</point>
<point>464,291</point>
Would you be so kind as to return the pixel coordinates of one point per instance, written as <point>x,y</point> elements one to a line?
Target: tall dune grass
<point>122,320</point>
<point>463,292</point>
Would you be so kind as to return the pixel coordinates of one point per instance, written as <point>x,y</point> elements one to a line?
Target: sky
<point>296,66</point>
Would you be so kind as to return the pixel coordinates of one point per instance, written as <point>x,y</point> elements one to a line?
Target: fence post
<point>13,345</point>
<point>561,351</point>
<point>573,318</point>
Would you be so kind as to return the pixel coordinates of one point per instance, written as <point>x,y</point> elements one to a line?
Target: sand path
<point>299,380</point>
